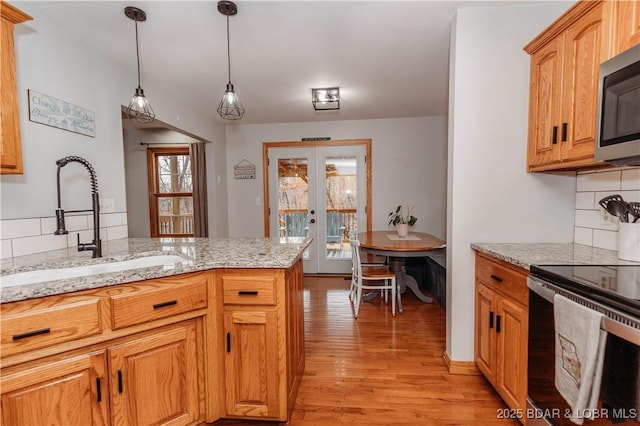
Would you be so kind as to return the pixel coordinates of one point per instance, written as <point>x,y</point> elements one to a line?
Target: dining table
<point>397,249</point>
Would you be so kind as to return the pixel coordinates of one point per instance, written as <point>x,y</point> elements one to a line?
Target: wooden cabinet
<point>10,146</point>
<point>264,341</point>
<point>154,379</point>
<point>501,327</point>
<point>67,391</point>
<point>565,60</point>
<point>131,354</point>
<point>625,24</point>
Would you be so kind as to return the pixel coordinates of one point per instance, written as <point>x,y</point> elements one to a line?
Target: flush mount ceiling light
<point>230,107</point>
<point>326,98</point>
<point>139,108</point>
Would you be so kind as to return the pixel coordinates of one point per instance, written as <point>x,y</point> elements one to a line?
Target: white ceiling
<point>389,58</point>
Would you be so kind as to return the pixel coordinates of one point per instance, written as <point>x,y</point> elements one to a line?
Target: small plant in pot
<point>402,221</point>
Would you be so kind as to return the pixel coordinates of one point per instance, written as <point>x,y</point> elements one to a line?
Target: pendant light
<point>139,108</point>
<point>230,107</point>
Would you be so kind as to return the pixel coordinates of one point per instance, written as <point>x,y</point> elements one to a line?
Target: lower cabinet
<point>150,380</point>
<point>66,391</point>
<point>502,328</point>
<point>154,379</point>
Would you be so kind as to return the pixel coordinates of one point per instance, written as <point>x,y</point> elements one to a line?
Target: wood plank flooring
<point>381,370</point>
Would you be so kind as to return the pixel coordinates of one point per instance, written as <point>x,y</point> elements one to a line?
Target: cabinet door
<point>511,362</point>
<point>252,368</point>
<point>154,379</point>
<point>544,104</point>
<point>485,335</point>
<point>626,25</point>
<point>582,57</point>
<point>65,392</point>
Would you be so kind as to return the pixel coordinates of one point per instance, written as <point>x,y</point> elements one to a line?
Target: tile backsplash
<point>19,237</point>
<point>593,225</point>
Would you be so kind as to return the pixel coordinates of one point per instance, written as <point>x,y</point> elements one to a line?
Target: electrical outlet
<point>107,205</point>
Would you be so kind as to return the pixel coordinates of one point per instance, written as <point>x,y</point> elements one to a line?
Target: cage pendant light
<point>139,108</point>
<point>230,107</point>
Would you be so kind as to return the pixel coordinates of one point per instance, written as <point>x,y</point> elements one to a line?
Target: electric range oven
<point>613,290</point>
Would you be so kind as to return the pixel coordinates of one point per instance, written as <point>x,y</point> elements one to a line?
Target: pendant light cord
<point>228,51</point>
<point>137,53</point>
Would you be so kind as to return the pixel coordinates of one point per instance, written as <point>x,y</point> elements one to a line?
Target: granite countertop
<point>527,254</point>
<point>199,254</point>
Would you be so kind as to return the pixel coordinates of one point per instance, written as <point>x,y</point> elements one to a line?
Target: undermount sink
<point>38,276</point>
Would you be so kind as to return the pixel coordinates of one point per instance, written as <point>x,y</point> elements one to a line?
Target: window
<point>170,192</point>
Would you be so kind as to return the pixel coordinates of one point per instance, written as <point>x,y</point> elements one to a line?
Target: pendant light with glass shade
<point>230,107</point>
<point>139,108</point>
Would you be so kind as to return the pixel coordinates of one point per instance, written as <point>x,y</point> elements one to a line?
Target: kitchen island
<point>218,333</point>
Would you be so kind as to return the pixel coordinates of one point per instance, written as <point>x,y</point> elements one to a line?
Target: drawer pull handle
<point>119,381</point>
<point>31,333</point>
<point>496,278</point>
<point>165,304</point>
<point>248,293</point>
<point>98,390</point>
<point>228,342</point>
<point>497,323</point>
<point>491,319</point>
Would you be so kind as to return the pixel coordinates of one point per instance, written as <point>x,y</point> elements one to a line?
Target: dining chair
<point>384,279</point>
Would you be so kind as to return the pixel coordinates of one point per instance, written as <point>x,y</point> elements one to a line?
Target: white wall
<point>490,196</point>
<point>409,166</point>
<point>65,68</point>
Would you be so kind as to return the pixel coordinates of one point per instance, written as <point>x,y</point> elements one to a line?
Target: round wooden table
<point>387,243</point>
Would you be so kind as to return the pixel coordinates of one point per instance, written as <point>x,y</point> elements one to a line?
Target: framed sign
<point>53,112</point>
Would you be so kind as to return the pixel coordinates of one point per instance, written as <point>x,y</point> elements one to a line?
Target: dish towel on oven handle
<point>580,344</point>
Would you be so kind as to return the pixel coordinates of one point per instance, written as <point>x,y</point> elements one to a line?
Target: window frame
<point>153,153</point>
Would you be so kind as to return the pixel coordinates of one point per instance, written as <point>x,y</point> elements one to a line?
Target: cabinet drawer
<point>164,299</point>
<point>248,290</point>
<point>503,279</point>
<point>48,323</point>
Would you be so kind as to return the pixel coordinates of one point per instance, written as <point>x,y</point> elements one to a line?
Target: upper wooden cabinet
<point>10,147</point>
<point>565,60</point>
<point>563,90</point>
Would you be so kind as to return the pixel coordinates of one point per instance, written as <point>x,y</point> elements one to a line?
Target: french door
<point>319,192</point>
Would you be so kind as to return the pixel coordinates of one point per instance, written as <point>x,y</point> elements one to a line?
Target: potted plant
<point>402,221</point>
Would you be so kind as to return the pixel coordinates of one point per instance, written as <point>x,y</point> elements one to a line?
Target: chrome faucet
<point>96,244</point>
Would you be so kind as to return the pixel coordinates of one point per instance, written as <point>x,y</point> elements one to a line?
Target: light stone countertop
<point>199,254</point>
<point>527,254</point>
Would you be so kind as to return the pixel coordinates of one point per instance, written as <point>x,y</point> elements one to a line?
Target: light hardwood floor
<point>381,370</point>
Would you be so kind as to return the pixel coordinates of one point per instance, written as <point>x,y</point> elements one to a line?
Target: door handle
<point>554,137</point>
<point>497,323</point>
<point>564,132</point>
<point>491,319</point>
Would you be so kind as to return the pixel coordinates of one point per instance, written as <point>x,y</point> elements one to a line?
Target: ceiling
<point>389,58</point>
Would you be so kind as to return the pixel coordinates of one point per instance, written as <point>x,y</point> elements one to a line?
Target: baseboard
<point>464,368</point>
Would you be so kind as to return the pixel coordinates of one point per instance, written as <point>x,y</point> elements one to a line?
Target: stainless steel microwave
<point>618,119</point>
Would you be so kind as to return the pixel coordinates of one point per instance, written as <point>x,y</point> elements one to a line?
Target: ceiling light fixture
<point>230,107</point>
<point>325,99</point>
<point>139,108</point>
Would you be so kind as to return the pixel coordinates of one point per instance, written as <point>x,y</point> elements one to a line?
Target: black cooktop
<point>614,285</point>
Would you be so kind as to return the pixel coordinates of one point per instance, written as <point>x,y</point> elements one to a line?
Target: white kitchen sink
<point>38,276</point>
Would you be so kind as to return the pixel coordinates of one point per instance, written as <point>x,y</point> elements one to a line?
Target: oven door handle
<point>535,285</point>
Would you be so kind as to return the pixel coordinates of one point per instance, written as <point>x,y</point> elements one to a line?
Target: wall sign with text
<point>53,112</point>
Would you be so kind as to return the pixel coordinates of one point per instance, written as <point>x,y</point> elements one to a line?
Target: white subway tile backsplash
<point>585,200</point>
<point>583,236</point>
<point>38,244</point>
<point>48,225</point>
<point>631,179</point>
<point>110,219</point>
<point>602,181</point>
<point>594,226</point>
<point>17,228</point>
<point>77,223</point>
<point>5,249</point>
<point>605,239</point>
<point>117,232</point>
